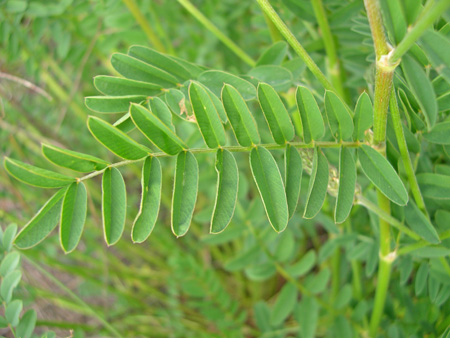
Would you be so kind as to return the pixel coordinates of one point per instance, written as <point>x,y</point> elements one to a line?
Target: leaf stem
<point>217,32</point>
<point>142,21</point>
<point>333,64</point>
<point>432,11</point>
<point>295,44</point>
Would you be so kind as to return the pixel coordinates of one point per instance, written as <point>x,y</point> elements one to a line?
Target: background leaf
<point>318,184</point>
<point>420,224</point>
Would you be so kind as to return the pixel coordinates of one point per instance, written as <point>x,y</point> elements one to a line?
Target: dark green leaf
<point>420,224</point>
<point>114,205</point>
<point>118,86</point>
<point>381,173</point>
<point>437,48</point>
<point>150,200</point>
<point>434,186</point>
<point>271,188</point>
<point>112,104</point>
<point>312,121</point>
<point>294,170</point>
<point>339,119</point>
<point>185,189</point>
<point>227,188</point>
<point>347,184</point>
<point>276,114</point>
<point>73,216</point>
<point>318,184</point>
<point>363,118</point>
<point>35,176</point>
<point>42,224</point>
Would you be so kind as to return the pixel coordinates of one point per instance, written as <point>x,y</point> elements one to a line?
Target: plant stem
<point>77,299</point>
<point>295,44</point>
<point>142,21</point>
<point>333,65</point>
<point>376,27</point>
<point>430,14</point>
<point>398,128</point>
<point>217,32</point>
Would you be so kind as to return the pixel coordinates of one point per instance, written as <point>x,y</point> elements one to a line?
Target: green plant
<point>391,159</point>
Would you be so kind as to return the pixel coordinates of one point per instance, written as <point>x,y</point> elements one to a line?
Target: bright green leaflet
<point>42,224</point>
<point>318,184</point>
<point>150,200</point>
<point>241,119</point>
<point>73,216</point>
<point>115,140</point>
<point>27,324</point>
<point>363,118</point>
<point>112,104</point>
<point>435,186</point>
<point>312,121</point>
<point>215,80</point>
<point>73,160</point>
<point>422,88</point>
<point>339,119</point>
<point>207,117</point>
<point>160,61</point>
<point>160,109</point>
<point>227,189</point>
<point>135,69</point>
<point>35,176</point>
<point>118,86</point>
<point>276,114</point>
<point>185,189</point>
<point>347,183</point>
<point>156,131</point>
<point>420,224</point>
<point>217,103</point>
<point>440,133</point>
<point>270,186</point>
<point>284,304</point>
<point>293,179</point>
<point>381,173</point>
<point>12,311</point>
<point>114,205</point>
<point>307,316</point>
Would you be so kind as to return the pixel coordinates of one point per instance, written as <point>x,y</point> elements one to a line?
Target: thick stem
<point>295,44</point>
<point>402,146</point>
<point>217,32</point>
<point>333,65</point>
<point>376,27</point>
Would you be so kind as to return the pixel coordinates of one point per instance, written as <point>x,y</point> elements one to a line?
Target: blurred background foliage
<point>243,282</point>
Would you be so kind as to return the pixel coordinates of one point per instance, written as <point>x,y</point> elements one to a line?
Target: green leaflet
<point>115,140</point>
<point>276,114</point>
<point>339,119</point>
<point>284,305</point>
<point>241,119</point>
<point>440,133</point>
<point>150,200</point>
<point>160,109</point>
<point>207,117</point>
<point>185,189</point>
<point>125,123</point>
<point>72,160</point>
<point>177,103</point>
<point>312,121</point>
<point>278,77</point>
<point>304,265</point>
<point>73,216</point>
<point>381,173</point>
<point>42,224</point>
<point>420,224</point>
<point>27,324</point>
<point>12,311</point>
<point>434,186</point>
<point>437,48</point>
<point>307,315</point>
<point>160,61</point>
<point>363,118</point>
<point>35,176</point>
<point>293,173</point>
<point>421,278</point>
<point>118,86</point>
<point>347,183</point>
<point>227,189</point>
<point>274,55</point>
<point>270,186</point>
<point>114,205</point>
<point>318,184</point>
<point>112,104</point>
<point>156,131</point>
<point>217,103</point>
<point>135,69</point>
<point>422,89</point>
<point>215,79</point>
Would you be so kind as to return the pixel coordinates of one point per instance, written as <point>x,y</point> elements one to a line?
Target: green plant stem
<point>398,128</point>
<point>142,21</point>
<point>333,64</point>
<point>295,44</point>
<point>217,32</point>
<point>431,13</point>
<point>77,299</point>
<point>376,27</point>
